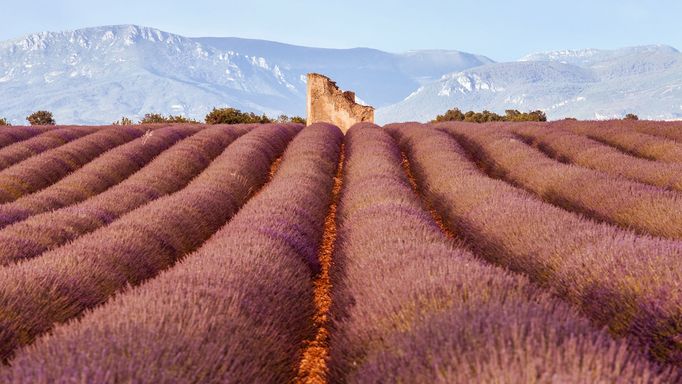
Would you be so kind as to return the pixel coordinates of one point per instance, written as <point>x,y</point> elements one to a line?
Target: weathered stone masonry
<point>327,103</point>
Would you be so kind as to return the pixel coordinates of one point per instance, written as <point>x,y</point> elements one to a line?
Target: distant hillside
<point>96,75</point>
<point>587,84</point>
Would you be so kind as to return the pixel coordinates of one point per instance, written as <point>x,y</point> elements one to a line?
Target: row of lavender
<point>33,145</point>
<point>411,305</point>
<point>651,140</point>
<point>369,341</point>
<point>630,204</point>
<point>628,282</point>
<point>11,135</point>
<point>46,168</point>
<point>568,147</point>
<point>240,308</point>
<point>167,173</point>
<point>107,170</point>
<point>666,129</point>
<point>236,310</point>
<point>62,283</point>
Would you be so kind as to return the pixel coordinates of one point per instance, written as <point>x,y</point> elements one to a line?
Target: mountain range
<point>97,75</point>
<point>586,84</point>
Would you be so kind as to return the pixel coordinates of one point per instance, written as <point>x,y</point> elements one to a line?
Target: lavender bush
<point>628,282</point>
<point>632,205</point>
<point>10,134</point>
<point>667,129</point>
<point>61,284</point>
<point>168,173</point>
<point>411,305</point>
<point>40,171</point>
<point>629,140</point>
<point>236,310</point>
<point>107,170</point>
<point>569,147</point>
<point>51,139</point>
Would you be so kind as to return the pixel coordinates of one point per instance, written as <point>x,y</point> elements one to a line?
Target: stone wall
<point>327,103</point>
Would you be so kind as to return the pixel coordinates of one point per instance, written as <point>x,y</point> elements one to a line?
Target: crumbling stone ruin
<point>327,103</point>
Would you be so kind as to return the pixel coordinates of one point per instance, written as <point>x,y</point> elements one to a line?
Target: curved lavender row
<point>10,134</point>
<point>627,139</point>
<point>667,129</point>
<point>237,310</point>
<point>630,283</point>
<point>239,128</point>
<point>47,168</point>
<point>664,129</point>
<point>39,293</point>
<point>109,169</point>
<point>168,173</point>
<point>583,151</point>
<point>51,139</point>
<point>641,207</point>
<point>420,309</point>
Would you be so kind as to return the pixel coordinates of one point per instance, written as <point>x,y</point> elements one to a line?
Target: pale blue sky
<point>502,30</point>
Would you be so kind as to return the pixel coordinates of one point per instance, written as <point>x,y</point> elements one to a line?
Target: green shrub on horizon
<point>41,118</point>
<point>157,118</point>
<point>486,116</point>
<point>293,119</point>
<point>299,120</point>
<point>234,116</point>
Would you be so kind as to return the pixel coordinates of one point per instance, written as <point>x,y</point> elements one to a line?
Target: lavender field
<point>278,253</point>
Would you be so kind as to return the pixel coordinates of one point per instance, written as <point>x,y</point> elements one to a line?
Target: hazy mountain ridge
<point>97,75</point>
<point>589,84</point>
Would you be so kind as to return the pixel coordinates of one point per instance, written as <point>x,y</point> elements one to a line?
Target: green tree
<point>180,119</point>
<point>293,119</point>
<point>41,118</point>
<point>453,114</point>
<point>262,119</point>
<point>153,118</point>
<point>515,115</point>
<point>234,116</point>
<point>487,116</point>
<point>470,116</point>
<point>156,118</point>
<point>512,115</point>
<point>4,122</point>
<point>537,116</point>
<point>631,116</point>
